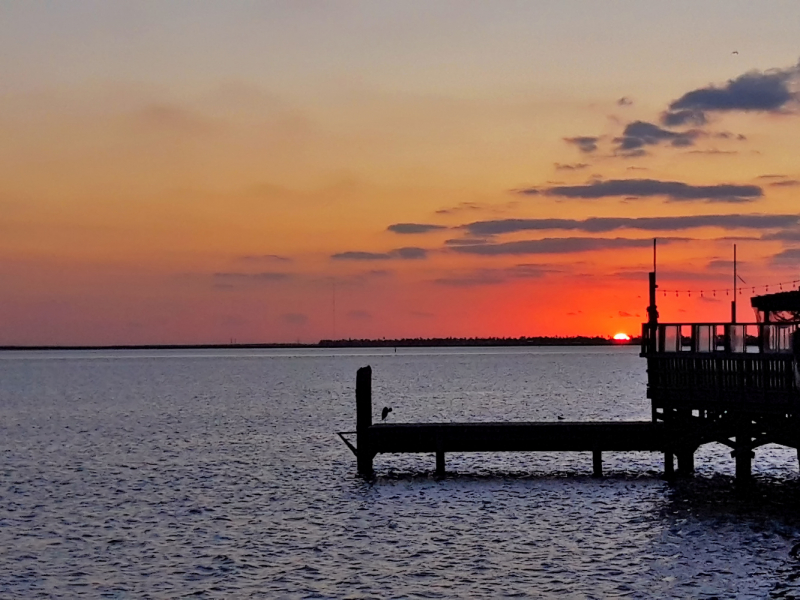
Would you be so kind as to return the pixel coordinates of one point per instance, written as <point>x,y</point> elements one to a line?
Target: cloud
<point>408,253</point>
<point>359,314</point>
<point>572,167</point>
<point>622,313</point>
<point>294,318</point>
<point>263,277</point>
<point>173,119</point>
<point>479,277</point>
<point>260,258</point>
<point>460,207</point>
<point>784,235</point>
<point>785,183</point>
<point>606,224</point>
<point>584,143</point>
<point>556,246</point>
<point>410,228</point>
<point>792,255</point>
<point>676,191</point>
<point>639,134</point>
<point>755,91</point>
<point>624,101</point>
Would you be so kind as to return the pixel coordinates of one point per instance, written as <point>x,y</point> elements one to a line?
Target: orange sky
<point>187,174</point>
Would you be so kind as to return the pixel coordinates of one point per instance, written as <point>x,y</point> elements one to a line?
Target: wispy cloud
<point>412,228</point>
<point>639,134</point>
<point>586,144</point>
<point>606,224</point>
<point>480,277</point>
<point>556,246</point>
<point>675,191</point>
<point>408,253</point>
<point>264,258</point>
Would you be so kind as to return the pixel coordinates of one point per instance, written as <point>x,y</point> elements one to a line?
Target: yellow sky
<point>177,173</point>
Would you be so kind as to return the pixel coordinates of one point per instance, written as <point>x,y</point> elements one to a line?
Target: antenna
<point>735,282</point>
<point>334,308</point>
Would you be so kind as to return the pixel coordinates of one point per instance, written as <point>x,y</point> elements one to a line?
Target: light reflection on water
<point>132,474</point>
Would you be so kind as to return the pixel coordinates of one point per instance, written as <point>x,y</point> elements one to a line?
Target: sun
<point>622,337</point>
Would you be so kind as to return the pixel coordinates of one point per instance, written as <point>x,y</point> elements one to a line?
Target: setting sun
<point>622,337</point>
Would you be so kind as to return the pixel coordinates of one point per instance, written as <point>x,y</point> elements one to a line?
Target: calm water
<point>218,475</point>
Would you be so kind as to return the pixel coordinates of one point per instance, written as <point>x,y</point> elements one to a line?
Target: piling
<point>364,420</point>
<point>597,463</point>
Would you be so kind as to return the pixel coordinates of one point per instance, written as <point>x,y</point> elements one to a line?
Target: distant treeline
<point>579,340</point>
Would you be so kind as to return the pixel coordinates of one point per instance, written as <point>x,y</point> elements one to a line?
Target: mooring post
<point>364,420</point>
<point>597,463</point>
<point>743,454</point>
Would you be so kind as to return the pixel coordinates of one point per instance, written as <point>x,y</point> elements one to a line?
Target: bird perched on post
<point>385,412</point>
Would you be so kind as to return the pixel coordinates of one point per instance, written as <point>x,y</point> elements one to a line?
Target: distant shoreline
<point>399,343</point>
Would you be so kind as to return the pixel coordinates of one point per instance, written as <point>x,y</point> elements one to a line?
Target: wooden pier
<point>441,438</point>
<point>731,383</point>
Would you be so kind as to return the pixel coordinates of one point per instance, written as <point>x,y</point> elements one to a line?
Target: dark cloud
<point>792,255</point>
<point>624,101</point>
<point>622,313</point>
<point>261,258</point>
<point>480,277</point>
<point>462,206</point>
<point>466,241</point>
<point>639,134</point>
<point>408,253</point>
<point>713,151</point>
<point>723,265</point>
<point>771,176</point>
<point>674,190</point>
<point>294,318</point>
<point>584,143</point>
<point>409,228</point>
<point>756,91</point>
<point>785,183</point>
<point>556,246</point>
<point>263,277</point>
<point>784,235</point>
<point>607,224</point>
<point>572,167</point>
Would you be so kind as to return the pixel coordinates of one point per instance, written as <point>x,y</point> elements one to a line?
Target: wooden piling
<point>364,420</point>
<point>597,463</point>
<point>685,462</point>
<point>440,463</point>
<point>669,465</point>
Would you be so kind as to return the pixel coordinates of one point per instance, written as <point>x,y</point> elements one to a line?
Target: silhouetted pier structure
<point>731,383</point>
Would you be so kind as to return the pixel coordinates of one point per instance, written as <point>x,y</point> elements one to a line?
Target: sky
<point>202,172</point>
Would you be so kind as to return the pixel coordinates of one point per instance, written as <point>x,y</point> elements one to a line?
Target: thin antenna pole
<point>733,303</point>
<point>654,255</point>
<point>334,308</point>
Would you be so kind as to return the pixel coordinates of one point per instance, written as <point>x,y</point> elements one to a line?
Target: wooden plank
<point>516,437</point>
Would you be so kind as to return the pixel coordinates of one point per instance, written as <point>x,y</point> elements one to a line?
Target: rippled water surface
<point>218,475</point>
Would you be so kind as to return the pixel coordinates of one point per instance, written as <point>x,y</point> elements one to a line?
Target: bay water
<point>218,474</point>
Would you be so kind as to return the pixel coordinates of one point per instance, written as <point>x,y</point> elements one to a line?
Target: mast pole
<point>733,302</point>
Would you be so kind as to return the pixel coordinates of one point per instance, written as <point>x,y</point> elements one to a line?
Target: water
<point>218,475</point>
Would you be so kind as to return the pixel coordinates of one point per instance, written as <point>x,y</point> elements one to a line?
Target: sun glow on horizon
<point>622,337</point>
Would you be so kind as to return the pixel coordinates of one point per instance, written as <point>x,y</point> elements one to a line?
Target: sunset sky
<point>196,171</point>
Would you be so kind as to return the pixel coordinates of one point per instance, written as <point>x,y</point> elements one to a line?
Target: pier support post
<point>686,462</point>
<point>364,420</point>
<point>669,465</point>
<point>744,459</point>
<point>440,462</point>
<point>597,463</point>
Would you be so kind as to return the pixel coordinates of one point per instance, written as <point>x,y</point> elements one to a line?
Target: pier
<point>735,384</point>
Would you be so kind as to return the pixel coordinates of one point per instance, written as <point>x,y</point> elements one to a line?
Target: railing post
<point>364,420</point>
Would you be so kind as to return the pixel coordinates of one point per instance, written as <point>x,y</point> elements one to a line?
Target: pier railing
<point>715,365</point>
<point>716,338</point>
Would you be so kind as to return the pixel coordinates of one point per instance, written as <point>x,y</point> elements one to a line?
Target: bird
<point>735,52</point>
<point>385,412</point>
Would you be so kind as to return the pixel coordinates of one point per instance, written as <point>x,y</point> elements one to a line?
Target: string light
<point>793,284</point>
